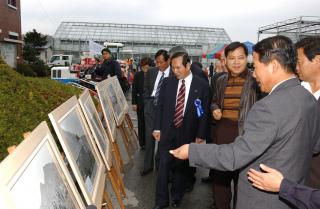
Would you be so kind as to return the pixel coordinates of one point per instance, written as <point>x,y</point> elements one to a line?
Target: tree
<point>33,41</point>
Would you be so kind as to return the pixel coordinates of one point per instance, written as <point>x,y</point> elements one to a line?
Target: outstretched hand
<point>181,153</point>
<point>269,180</point>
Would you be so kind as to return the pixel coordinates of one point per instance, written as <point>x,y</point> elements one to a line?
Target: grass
<point>25,102</point>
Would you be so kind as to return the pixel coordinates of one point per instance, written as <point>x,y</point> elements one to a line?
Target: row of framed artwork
<point>36,175</point>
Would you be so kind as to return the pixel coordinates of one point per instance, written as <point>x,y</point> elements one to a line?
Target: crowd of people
<point>257,130</point>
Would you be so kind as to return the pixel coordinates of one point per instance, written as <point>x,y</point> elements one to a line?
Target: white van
<point>60,60</point>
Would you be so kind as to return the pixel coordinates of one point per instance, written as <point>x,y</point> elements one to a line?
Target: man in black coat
<point>196,69</point>
<point>109,66</point>
<point>181,117</point>
<point>137,98</point>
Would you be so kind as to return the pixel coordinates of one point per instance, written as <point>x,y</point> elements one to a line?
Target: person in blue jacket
<point>272,180</point>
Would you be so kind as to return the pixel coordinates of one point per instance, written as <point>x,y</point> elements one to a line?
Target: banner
<point>95,48</point>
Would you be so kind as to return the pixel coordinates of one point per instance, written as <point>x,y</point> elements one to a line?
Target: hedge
<point>25,102</point>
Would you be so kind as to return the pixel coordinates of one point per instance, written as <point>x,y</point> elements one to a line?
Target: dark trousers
<point>141,125</point>
<point>222,193</point>
<point>149,111</point>
<point>169,165</point>
<point>314,176</point>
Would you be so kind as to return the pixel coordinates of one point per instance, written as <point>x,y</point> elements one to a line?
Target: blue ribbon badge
<point>197,103</point>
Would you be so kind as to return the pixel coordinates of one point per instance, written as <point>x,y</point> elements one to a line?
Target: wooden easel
<point>107,200</point>
<point>126,140</point>
<point>130,125</point>
<point>115,185</point>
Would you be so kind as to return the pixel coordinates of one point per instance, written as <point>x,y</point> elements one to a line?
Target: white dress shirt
<point>166,74</point>
<point>275,86</point>
<point>187,83</point>
<point>307,86</point>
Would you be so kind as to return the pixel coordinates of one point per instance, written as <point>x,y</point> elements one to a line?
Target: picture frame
<point>106,91</point>
<point>122,97</point>
<point>96,127</point>
<point>76,141</point>
<point>35,175</point>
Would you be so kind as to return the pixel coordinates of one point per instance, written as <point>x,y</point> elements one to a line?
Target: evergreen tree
<point>33,41</point>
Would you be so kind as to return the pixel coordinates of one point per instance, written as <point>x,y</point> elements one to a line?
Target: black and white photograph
<point>78,145</point>
<point>96,127</point>
<point>77,141</point>
<point>39,180</point>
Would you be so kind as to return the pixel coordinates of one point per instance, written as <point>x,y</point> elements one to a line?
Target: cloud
<point>240,18</point>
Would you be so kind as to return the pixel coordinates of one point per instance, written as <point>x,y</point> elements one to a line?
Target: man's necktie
<point>178,114</point>
<point>156,96</point>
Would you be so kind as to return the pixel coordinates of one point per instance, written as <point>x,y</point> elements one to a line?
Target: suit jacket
<point>137,88</point>
<point>281,131</point>
<point>192,125</point>
<point>150,80</point>
<point>299,195</point>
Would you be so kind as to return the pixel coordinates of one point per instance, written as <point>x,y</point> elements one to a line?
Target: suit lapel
<point>153,78</point>
<point>170,72</point>
<point>172,94</point>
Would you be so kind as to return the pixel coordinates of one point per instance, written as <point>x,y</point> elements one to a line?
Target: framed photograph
<point>106,91</point>
<point>109,120</point>
<point>78,146</point>
<point>118,89</point>
<point>96,127</point>
<point>35,176</point>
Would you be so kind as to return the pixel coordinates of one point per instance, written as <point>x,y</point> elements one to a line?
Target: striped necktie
<point>178,114</point>
<point>156,96</point>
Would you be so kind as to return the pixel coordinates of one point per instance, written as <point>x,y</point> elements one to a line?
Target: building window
<point>12,3</point>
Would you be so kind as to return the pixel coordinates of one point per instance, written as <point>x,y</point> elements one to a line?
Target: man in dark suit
<point>281,130</point>
<point>181,117</point>
<point>152,85</point>
<point>137,98</point>
<point>196,69</point>
<point>308,69</point>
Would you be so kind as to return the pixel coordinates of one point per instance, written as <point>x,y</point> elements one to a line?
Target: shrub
<point>40,68</point>
<point>2,61</point>
<point>25,102</point>
<point>25,69</point>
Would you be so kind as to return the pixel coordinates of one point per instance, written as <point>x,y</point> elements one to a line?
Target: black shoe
<point>176,203</point>
<point>207,179</point>
<point>145,172</point>
<point>189,188</point>
<point>160,207</point>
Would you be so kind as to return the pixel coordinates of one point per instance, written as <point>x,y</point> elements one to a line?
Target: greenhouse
<point>138,40</point>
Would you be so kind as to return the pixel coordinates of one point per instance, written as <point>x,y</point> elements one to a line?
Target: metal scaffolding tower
<point>296,28</point>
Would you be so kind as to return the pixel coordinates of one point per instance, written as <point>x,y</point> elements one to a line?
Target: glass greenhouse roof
<point>160,34</point>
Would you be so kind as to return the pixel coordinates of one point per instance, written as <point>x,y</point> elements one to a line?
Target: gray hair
<point>176,49</point>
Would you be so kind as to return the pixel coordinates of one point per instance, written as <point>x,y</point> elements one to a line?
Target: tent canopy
<point>216,52</point>
<point>219,50</point>
<point>249,46</point>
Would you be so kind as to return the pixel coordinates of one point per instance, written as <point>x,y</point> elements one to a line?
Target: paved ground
<point>141,190</point>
